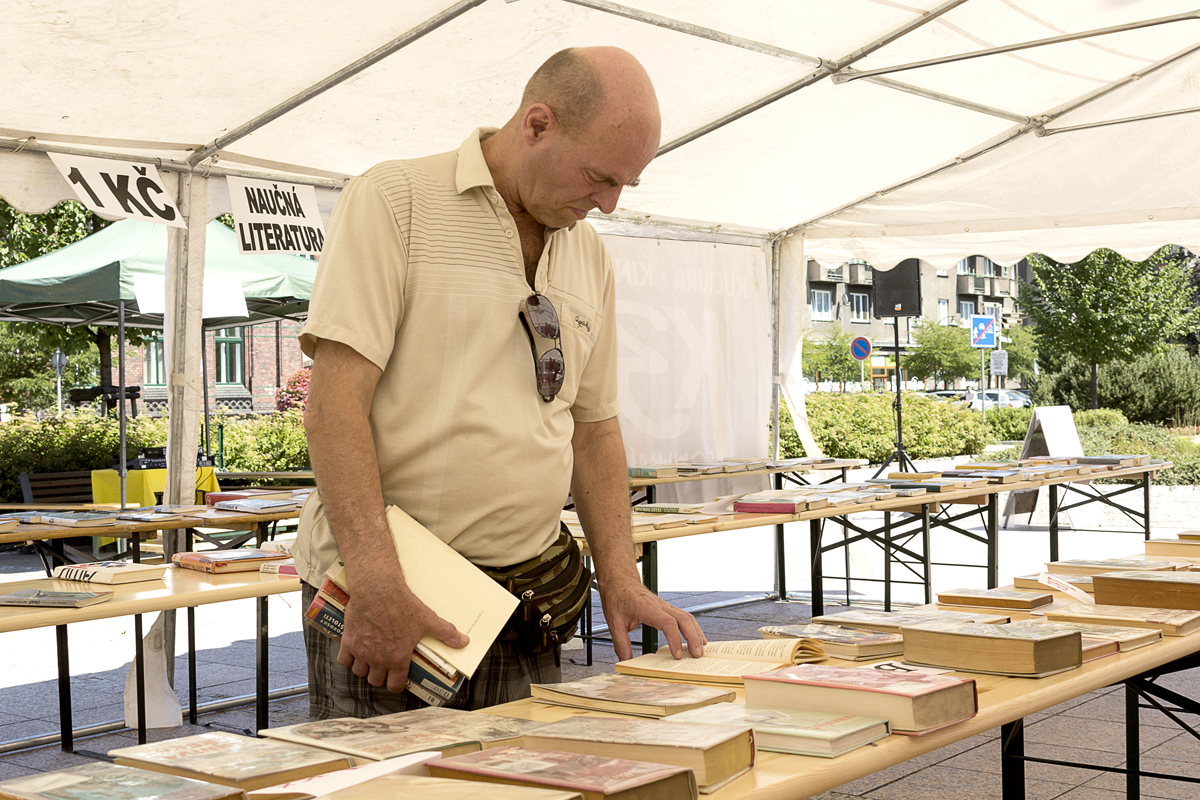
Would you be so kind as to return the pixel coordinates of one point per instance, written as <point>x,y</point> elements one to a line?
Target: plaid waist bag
<point>553,589</point>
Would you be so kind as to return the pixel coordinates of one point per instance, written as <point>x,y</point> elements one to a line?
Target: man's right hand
<point>384,623</point>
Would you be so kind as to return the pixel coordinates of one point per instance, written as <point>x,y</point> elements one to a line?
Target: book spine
<point>325,617</point>
<point>68,573</point>
<point>334,592</point>
<point>279,569</point>
<point>768,508</point>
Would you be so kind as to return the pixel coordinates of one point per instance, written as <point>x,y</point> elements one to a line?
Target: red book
<point>218,561</point>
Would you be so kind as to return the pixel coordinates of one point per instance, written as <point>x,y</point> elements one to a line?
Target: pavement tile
<point>1156,787</point>
<point>987,759</point>
<point>1111,707</point>
<point>47,758</point>
<point>27,729</point>
<point>1092,793</point>
<point>1100,734</point>
<point>945,783</point>
<point>891,774</point>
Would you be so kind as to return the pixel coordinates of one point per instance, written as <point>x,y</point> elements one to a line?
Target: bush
<point>266,443</point>
<point>1162,388</point>
<point>863,426</point>
<point>1098,418</point>
<point>294,394</point>
<point>1008,424</point>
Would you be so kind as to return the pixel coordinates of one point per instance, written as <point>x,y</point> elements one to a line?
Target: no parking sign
<point>860,348</point>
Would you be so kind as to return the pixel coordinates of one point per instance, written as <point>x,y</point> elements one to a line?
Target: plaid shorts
<point>334,691</point>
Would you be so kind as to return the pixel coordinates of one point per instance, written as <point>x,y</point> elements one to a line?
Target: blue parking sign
<point>983,331</point>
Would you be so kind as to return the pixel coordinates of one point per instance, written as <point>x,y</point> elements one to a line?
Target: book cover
<point>714,754</point>
<point>626,694</point>
<point>999,598</point>
<point>1172,622</point>
<point>838,641</point>
<point>613,778</point>
<point>148,516</point>
<point>421,787</point>
<point>52,599</point>
<point>669,508</point>
<point>103,781</point>
<point>232,760</point>
<point>247,559</point>
<point>1083,582</point>
<point>375,739</point>
<point>257,505</point>
<point>489,730</point>
<point>111,572</point>
<point>893,621</point>
<point>80,519</point>
<point>286,567</point>
<point>805,733</point>
<point>723,662</point>
<point>1153,589</point>
<point>1126,638</point>
<point>993,649</point>
<point>1095,566</point>
<point>212,498</point>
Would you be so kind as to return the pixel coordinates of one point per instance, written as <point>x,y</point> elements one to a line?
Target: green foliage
<point>831,357</point>
<point>1008,424</point>
<point>266,443</point>
<point>863,426</point>
<point>26,375</point>
<point>1160,388</point>
<point>27,236</point>
<point>943,352</point>
<point>1098,417</point>
<point>1022,352</point>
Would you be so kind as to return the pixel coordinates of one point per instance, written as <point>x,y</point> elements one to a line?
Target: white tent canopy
<point>767,134</point>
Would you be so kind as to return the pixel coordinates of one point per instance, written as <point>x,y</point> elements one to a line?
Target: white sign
<point>999,362</point>
<point>119,188</point>
<point>275,217</point>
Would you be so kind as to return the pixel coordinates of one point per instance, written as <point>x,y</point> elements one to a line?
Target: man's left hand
<point>632,604</point>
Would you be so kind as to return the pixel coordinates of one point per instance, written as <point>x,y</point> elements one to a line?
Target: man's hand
<point>632,604</point>
<point>384,623</point>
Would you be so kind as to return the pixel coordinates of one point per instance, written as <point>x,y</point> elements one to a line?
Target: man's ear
<point>539,122</point>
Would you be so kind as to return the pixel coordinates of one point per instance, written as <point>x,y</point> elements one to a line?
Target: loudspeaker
<point>898,290</point>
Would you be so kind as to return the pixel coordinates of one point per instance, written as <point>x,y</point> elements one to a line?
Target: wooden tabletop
<point>778,776</point>
<point>837,464</point>
<point>179,588</point>
<point>123,529</point>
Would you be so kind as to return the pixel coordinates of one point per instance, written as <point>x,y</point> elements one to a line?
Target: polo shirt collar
<point>472,170</point>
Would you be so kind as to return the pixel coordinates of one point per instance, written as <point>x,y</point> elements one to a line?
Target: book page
<point>775,651</point>
<point>663,664</point>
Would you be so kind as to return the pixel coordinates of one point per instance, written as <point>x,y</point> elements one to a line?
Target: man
<point>424,393</point>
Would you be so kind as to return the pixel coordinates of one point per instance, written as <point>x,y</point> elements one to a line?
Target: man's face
<point>574,174</point>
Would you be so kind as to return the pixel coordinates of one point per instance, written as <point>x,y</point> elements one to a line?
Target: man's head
<point>587,127</point>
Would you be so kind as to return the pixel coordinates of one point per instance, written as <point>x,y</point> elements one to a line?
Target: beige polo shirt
<point>422,274</point>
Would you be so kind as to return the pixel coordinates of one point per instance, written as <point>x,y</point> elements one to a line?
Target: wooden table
<point>1002,702</point>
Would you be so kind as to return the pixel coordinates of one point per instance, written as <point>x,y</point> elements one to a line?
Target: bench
<point>56,487</point>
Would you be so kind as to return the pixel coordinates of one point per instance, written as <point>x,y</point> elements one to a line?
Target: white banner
<point>694,328</point>
<point>275,217</point>
<point>119,189</point>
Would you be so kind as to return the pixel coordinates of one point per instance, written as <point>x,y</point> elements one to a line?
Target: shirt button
<point>509,234</point>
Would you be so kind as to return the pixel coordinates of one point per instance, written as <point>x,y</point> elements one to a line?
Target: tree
<point>1022,352</point>
<point>832,357</point>
<point>943,352</point>
<point>26,376</point>
<point>1106,308</point>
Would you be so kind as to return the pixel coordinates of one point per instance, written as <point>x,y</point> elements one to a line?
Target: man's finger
<point>670,629</point>
<point>396,682</point>
<point>449,634</point>
<point>345,657</point>
<point>621,645</point>
<point>377,677</point>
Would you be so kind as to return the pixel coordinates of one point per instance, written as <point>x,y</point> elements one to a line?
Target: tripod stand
<point>899,456</point>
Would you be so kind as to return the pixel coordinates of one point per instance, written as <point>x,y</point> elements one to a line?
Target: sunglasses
<point>541,324</point>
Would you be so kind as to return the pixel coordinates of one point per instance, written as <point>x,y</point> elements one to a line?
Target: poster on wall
<point>694,330</point>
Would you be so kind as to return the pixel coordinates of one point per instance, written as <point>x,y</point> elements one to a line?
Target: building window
<point>155,372</point>
<point>943,312</point>
<point>822,305</point>
<point>994,310</point>
<point>230,355</point>
<point>991,268</point>
<point>965,267</point>
<point>966,309</point>
<point>860,307</point>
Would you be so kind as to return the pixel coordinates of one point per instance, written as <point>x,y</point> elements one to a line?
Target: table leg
<point>927,557</point>
<point>650,579</point>
<point>780,566</point>
<point>1053,489</point>
<point>1146,504</point>
<point>1133,786</point>
<point>139,657</point>
<point>65,725</point>
<point>1012,763</point>
<point>191,618</point>
<point>262,717</point>
<point>993,541</point>
<point>814,547</point>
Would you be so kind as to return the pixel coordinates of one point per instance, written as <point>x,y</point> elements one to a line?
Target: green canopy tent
<point>92,282</point>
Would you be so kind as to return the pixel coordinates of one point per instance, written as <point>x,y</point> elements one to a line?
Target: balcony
<point>861,274</point>
<point>818,273</point>
<point>1002,287</point>
<point>972,284</point>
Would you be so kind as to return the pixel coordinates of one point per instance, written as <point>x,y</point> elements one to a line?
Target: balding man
<point>464,352</point>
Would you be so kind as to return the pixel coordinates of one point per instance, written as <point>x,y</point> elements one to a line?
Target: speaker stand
<point>899,457</point>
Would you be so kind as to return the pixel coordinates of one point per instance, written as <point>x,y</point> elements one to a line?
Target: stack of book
<point>848,644</point>
<point>625,694</point>
<point>1172,622</point>
<point>1095,566</point>
<point>1152,589</point>
<point>993,649</point>
<point>894,621</point>
<point>723,662</point>
<point>803,733</point>
<point>216,562</point>
<point>1015,599</point>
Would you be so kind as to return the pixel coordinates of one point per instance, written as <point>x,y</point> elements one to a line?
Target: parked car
<point>1000,398</point>
<point>946,394</point>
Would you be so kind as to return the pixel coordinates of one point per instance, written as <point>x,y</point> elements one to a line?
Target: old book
<point>1168,548</point>
<point>258,505</point>
<point>723,662</point>
<point>9,524</point>
<point>912,703</point>
<point>110,572</point>
<point>148,516</point>
<point>715,754</point>
<point>655,471</point>
<point>893,621</point>
<point>1190,536</point>
<point>1116,460</point>
<point>52,599</point>
<point>80,519</point>
<point>993,649</point>
<point>247,559</point>
<point>285,567</point>
<point>850,644</point>
<point>232,760</point>
<point>991,476</point>
<point>1149,589</point>
<point>1083,582</point>
<point>913,476</point>
<point>804,733</point>
<point>212,498</point>
<point>1172,622</point>
<point>490,730</point>
<point>783,501</point>
<point>594,777</point>
<point>669,508</point>
<point>99,780</point>
<point>1094,566</point>
<point>374,739</point>
<point>625,694</point>
<point>996,598</point>
<point>1126,638</point>
<point>421,787</point>
<point>987,465</point>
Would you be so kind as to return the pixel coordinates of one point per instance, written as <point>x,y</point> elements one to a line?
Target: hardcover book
<point>803,733</point>
<point>850,644</point>
<point>1083,582</point>
<point>594,777</point>
<point>625,694</point>
<point>1149,589</point>
<point>490,730</point>
<point>212,498</point>
<point>669,508</point>
<point>104,781</point>
<point>286,567</point>
<point>993,649</point>
<point>1172,622</point>
<point>226,758</point>
<point>9,524</point>
<point>420,787</point>
<point>996,598</point>
<point>113,572</point>
<point>1168,548</point>
<point>257,505</point>
<point>246,559</point>
<point>80,519</point>
<point>913,703</point>
<point>1095,566</point>
<point>723,662</point>
<point>893,621</point>
<point>375,739</point>
<point>147,515</point>
<point>715,754</point>
<point>1126,638</point>
<point>52,599</point>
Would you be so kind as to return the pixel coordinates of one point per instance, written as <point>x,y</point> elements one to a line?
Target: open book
<point>724,662</point>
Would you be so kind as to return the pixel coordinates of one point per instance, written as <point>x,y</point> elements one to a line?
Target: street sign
<point>983,331</point>
<point>999,362</point>
<point>860,348</point>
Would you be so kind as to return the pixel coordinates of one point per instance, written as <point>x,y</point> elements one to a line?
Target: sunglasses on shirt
<point>541,324</point>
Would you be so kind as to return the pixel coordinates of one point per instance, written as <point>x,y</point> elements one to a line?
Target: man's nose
<point>606,198</point>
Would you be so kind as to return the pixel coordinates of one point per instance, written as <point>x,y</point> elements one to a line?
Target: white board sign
<point>275,217</point>
<point>999,362</point>
<point>119,188</point>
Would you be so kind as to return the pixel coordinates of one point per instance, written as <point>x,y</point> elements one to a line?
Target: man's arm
<point>600,490</point>
<point>384,620</point>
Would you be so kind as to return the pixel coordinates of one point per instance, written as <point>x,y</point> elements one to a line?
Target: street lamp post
<point>58,361</point>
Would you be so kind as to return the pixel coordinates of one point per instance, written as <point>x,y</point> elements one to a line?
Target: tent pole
<point>122,467</point>
<point>204,382</point>
<point>776,244</point>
